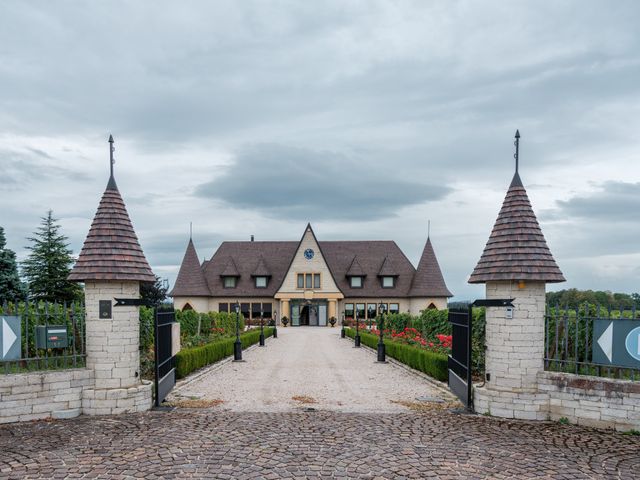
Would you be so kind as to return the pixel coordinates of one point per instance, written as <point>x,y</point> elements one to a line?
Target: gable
<point>301,264</point>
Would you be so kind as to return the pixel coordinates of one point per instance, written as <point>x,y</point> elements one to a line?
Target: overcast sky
<point>366,119</point>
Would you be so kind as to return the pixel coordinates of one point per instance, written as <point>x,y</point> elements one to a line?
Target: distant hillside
<point>573,297</point>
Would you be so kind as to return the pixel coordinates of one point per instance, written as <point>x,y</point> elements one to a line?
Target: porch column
<point>285,310</point>
<point>332,309</point>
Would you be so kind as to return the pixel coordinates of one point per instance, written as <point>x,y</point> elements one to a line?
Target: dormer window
<point>230,282</point>
<point>388,282</point>
<point>261,282</point>
<point>356,282</point>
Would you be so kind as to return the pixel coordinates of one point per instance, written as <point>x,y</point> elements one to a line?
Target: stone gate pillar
<point>112,265</point>
<point>516,263</point>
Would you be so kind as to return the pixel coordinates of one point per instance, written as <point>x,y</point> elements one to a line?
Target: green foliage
<point>191,359</point>
<point>155,293</point>
<point>432,363</point>
<point>147,327</point>
<point>398,321</point>
<point>49,264</point>
<point>11,288</point>
<point>563,421</point>
<point>193,323</point>
<point>574,298</point>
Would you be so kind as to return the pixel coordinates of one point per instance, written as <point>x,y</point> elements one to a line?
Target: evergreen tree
<point>48,266</point>
<point>155,293</point>
<point>11,288</point>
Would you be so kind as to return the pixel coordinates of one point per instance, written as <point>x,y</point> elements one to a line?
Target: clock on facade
<point>308,253</point>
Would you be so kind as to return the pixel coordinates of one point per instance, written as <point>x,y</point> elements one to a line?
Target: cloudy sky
<point>365,118</point>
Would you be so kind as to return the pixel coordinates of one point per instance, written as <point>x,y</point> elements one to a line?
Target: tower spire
<point>112,181</point>
<point>517,144</point>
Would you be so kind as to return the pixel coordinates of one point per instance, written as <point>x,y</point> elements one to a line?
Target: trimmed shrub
<point>191,359</point>
<point>432,363</point>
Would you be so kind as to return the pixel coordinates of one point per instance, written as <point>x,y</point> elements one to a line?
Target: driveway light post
<point>357,339</point>
<point>261,328</point>
<point>342,332</point>
<point>381,347</point>
<point>237,346</point>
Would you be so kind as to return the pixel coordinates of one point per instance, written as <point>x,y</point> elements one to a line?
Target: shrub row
<point>191,359</point>
<point>193,323</point>
<point>432,363</point>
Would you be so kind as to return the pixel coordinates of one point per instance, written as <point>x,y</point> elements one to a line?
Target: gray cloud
<point>294,183</point>
<point>23,167</point>
<point>613,202</point>
<point>388,104</point>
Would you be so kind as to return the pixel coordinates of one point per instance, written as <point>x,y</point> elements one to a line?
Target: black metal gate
<point>165,356</point>
<point>460,359</point>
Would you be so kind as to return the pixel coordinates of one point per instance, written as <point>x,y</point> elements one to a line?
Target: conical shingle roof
<point>190,281</point>
<point>111,250</point>
<point>516,249</point>
<point>428,280</point>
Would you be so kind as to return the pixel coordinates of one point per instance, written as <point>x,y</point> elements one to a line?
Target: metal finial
<point>111,150</point>
<point>190,230</point>
<point>517,144</point>
<point>428,228</point>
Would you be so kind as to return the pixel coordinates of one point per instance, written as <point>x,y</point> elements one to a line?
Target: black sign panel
<point>105,309</point>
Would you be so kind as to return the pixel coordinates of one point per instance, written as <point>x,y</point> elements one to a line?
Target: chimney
<point>252,238</point>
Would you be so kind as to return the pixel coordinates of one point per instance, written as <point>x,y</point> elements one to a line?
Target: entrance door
<point>322,315</point>
<point>295,315</point>
<point>313,315</point>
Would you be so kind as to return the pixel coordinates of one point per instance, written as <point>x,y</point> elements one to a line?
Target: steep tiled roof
<point>386,269</point>
<point>517,249</point>
<point>367,258</point>
<point>247,255</point>
<point>111,250</point>
<point>190,281</point>
<point>428,280</point>
<point>355,269</point>
<point>371,255</point>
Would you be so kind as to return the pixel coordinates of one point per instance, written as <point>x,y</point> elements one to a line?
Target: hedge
<point>191,359</point>
<point>432,363</point>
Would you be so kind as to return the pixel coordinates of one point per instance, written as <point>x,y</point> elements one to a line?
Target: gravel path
<point>308,367</point>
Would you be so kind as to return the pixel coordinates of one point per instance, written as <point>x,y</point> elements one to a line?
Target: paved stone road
<point>314,364</point>
<point>213,443</point>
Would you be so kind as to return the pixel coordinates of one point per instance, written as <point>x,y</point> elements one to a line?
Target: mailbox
<point>51,336</point>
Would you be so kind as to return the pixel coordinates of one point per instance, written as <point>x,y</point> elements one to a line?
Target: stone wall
<point>31,396</point>
<point>592,401</point>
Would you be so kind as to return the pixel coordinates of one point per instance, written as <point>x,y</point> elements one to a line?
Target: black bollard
<point>342,332</point>
<point>356,340</point>
<point>261,330</point>
<point>237,346</point>
<point>382,354</point>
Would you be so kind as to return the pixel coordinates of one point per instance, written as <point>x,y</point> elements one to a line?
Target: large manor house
<point>310,281</point>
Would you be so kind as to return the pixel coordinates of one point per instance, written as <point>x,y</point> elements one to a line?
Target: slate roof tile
<point>516,249</point>
<point>111,250</point>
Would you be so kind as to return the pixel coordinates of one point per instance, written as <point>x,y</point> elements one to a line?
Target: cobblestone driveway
<point>213,443</point>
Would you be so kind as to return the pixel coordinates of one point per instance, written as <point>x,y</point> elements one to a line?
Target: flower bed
<point>191,359</point>
<point>433,363</point>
